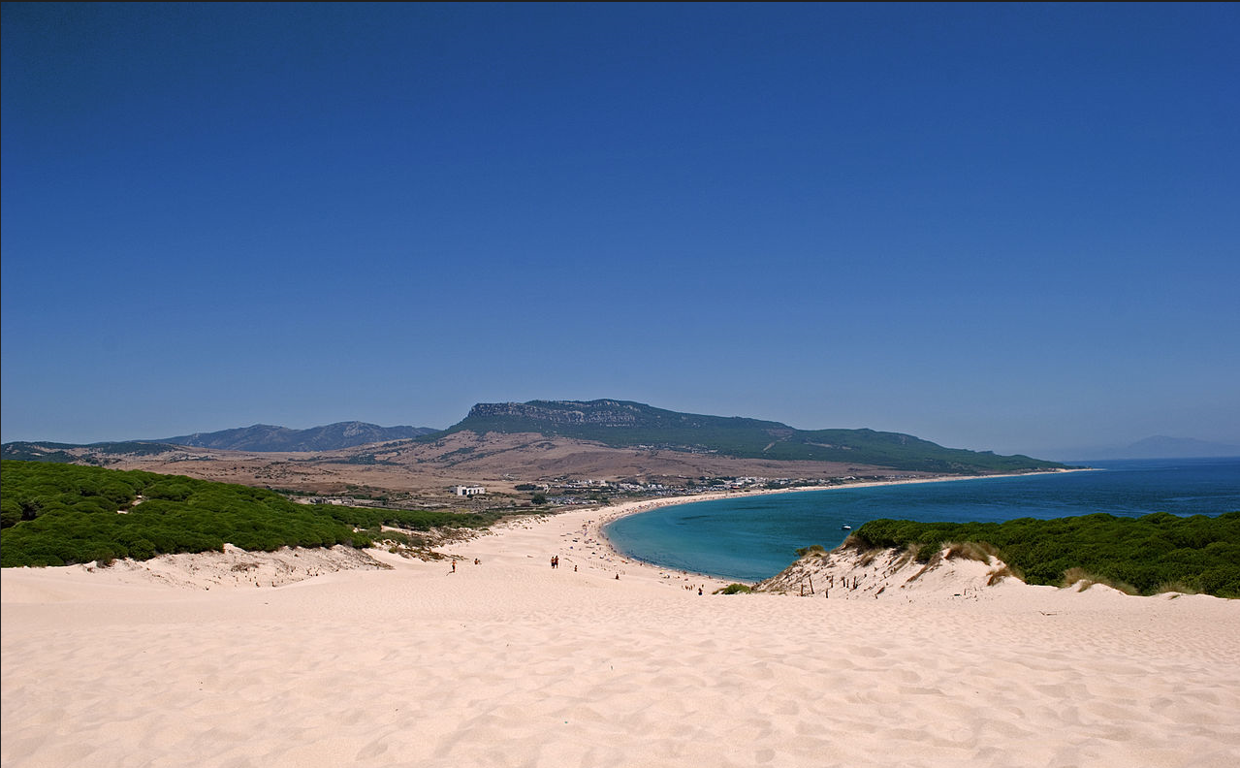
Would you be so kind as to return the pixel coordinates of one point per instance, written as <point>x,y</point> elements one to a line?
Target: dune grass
<point>1141,555</point>
<point>1083,580</point>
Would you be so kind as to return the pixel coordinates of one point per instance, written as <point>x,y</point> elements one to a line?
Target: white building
<point>468,490</point>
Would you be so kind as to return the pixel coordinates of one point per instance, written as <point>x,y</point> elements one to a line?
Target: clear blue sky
<point>1009,227</point>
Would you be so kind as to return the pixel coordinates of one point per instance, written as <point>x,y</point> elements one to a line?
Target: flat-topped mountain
<point>497,442</point>
<point>264,437</point>
<point>624,424</point>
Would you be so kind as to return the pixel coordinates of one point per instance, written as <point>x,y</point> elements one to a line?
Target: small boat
<point>845,527</point>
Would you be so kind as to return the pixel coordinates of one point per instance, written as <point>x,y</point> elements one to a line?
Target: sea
<point>750,538</point>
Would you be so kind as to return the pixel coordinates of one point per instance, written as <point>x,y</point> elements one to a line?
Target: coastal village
<point>565,492</point>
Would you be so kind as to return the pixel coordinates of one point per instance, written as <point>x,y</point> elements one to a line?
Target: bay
<point>750,538</point>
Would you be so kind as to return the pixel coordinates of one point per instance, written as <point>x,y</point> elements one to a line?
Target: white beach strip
<point>611,513</point>
<point>512,663</point>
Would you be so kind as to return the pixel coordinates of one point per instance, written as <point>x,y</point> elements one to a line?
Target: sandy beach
<point>509,662</point>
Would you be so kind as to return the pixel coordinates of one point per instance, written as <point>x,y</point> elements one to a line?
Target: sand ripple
<point>513,664</point>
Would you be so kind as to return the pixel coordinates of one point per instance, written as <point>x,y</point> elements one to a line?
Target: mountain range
<point>623,424</point>
<point>264,437</point>
<point>617,424</point>
<point>260,438</point>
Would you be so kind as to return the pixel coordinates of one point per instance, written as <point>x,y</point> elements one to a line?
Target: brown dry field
<point>425,471</point>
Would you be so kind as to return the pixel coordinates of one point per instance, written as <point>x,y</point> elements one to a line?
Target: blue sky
<point>995,227</point>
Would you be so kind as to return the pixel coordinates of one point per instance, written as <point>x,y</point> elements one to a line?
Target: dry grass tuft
<point>1083,580</point>
<point>999,574</point>
<point>971,550</point>
<point>1176,586</point>
<point>934,562</point>
<point>852,542</point>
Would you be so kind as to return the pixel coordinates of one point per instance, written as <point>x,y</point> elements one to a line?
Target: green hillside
<point>626,424</point>
<point>60,514</point>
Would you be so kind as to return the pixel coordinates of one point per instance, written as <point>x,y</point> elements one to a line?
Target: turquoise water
<point>753,538</point>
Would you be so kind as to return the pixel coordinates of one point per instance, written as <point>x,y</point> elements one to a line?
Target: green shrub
<point>1201,553</point>
<point>57,514</point>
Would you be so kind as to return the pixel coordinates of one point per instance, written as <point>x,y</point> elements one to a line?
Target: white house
<point>468,490</point>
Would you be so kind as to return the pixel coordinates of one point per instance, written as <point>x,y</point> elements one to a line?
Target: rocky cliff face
<point>607,413</point>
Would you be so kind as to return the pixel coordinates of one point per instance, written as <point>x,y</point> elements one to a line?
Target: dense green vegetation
<point>624,424</point>
<point>59,514</point>
<point>1151,554</point>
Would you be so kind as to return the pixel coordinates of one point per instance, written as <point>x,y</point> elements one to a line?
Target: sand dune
<point>891,574</point>
<point>511,663</point>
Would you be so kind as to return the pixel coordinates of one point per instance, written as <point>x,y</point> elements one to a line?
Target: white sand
<point>510,663</point>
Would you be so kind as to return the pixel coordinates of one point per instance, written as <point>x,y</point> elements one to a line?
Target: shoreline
<point>612,513</point>
<point>497,659</point>
<point>576,535</point>
<point>509,663</point>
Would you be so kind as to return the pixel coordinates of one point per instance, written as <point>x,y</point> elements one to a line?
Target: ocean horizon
<point>750,538</point>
